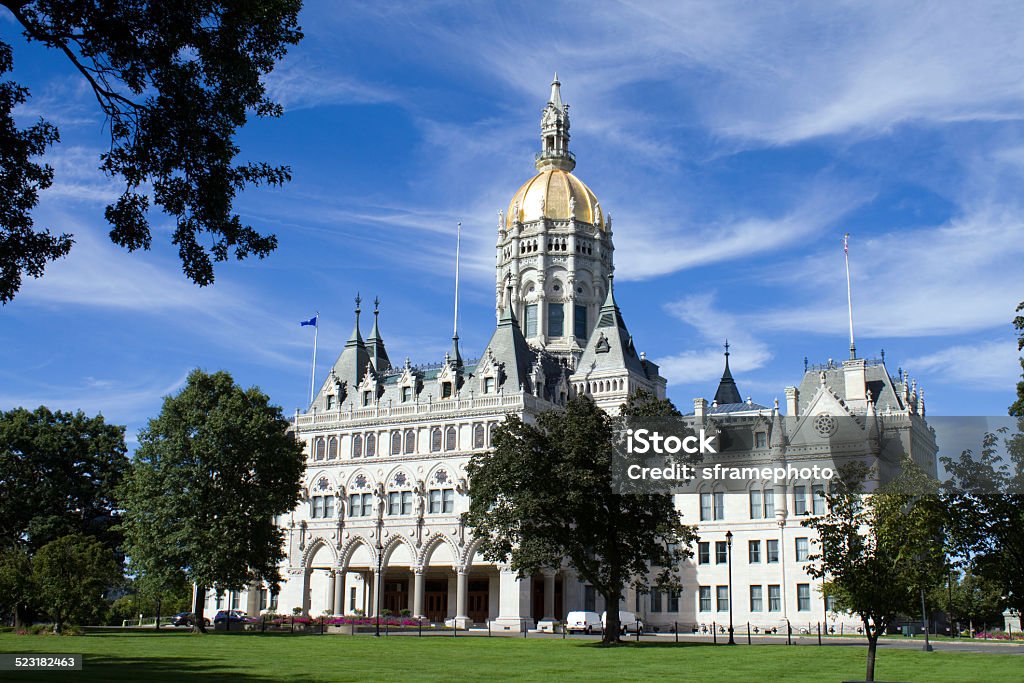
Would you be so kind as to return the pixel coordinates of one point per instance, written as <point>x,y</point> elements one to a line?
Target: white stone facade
<point>387,447</point>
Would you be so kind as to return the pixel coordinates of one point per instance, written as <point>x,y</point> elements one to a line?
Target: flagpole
<point>312,375</point>
<point>849,295</point>
<point>458,241</point>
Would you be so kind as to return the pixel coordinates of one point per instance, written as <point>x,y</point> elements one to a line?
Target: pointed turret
<point>554,133</point>
<point>375,344</point>
<point>610,345</point>
<point>508,347</point>
<point>727,392</point>
<point>352,362</point>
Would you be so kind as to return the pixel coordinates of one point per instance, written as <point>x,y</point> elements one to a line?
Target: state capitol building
<point>387,446</point>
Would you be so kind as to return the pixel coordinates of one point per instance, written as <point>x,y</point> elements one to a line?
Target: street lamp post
<point>924,620</point>
<point>728,543</point>
<point>378,582</point>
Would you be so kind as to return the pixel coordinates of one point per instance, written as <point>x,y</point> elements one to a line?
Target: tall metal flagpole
<point>312,375</point>
<point>849,295</point>
<point>458,241</point>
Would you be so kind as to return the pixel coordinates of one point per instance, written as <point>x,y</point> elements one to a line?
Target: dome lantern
<point>554,133</point>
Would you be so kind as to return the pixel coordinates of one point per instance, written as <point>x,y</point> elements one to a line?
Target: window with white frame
<point>769,502</point>
<point>754,551</point>
<point>441,501</point>
<point>803,597</point>
<point>357,446</point>
<point>406,394</point>
<point>450,435</point>
<point>673,601</point>
<point>318,448</point>
<point>703,552</point>
<point>332,448</point>
<point>760,440</point>
<point>360,505</point>
<point>719,499</point>
<point>367,398</point>
<point>435,440</point>
<point>722,598</point>
<point>772,551</point>
<point>801,549</point>
<point>410,441</point>
<point>721,552</point>
<point>818,499</point>
<point>479,436</point>
<point>400,503</point>
<point>756,599</point>
<point>799,500</point>
<point>774,598</point>
<point>655,600</point>
<point>705,598</point>
<point>756,504</point>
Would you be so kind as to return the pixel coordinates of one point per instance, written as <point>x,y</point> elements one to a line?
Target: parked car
<point>186,619</point>
<point>583,622</point>
<point>628,622</point>
<point>232,616</point>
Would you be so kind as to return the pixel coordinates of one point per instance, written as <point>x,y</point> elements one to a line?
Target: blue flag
<point>311,321</point>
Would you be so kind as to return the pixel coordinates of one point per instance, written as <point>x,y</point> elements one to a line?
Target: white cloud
<point>955,278</point>
<point>297,83</point>
<point>657,247</point>
<point>993,364</point>
<point>713,326</point>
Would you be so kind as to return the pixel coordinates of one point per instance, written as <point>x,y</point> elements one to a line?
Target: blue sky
<point>733,143</point>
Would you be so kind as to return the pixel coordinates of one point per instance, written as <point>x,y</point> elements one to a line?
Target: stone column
<point>331,588</point>
<point>417,592</point>
<point>513,602</point>
<point>305,591</point>
<point>547,622</point>
<point>461,597</point>
<point>339,593</point>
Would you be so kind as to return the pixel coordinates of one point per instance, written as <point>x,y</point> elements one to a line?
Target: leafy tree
<point>545,493</point>
<point>175,82</point>
<point>73,575</point>
<point>58,475</point>
<point>149,595</point>
<point>211,473</point>
<point>968,598</point>
<point>879,551</point>
<point>17,590</point>
<point>985,500</point>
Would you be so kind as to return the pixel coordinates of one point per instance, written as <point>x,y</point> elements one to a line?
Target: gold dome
<point>547,195</point>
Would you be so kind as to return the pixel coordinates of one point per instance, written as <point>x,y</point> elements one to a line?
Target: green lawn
<point>148,657</point>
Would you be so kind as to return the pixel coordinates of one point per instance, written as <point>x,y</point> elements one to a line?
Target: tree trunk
<point>158,601</point>
<point>872,648</point>
<point>198,605</point>
<point>22,616</point>
<point>610,635</point>
<point>58,623</point>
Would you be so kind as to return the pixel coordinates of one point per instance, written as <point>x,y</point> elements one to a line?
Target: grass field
<point>149,656</point>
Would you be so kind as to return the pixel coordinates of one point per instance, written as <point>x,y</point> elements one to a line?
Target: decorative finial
<point>376,305</point>
<point>359,300</point>
<point>883,355</point>
<point>805,363</point>
<point>501,219</point>
<point>726,347</point>
<point>611,282</point>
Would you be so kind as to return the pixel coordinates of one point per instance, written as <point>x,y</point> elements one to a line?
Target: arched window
<point>357,446</point>
<point>449,439</point>
<point>435,439</point>
<point>479,436</point>
<point>490,433</point>
<point>410,441</point>
<point>318,447</point>
<point>396,442</point>
<point>371,445</point>
<point>332,448</point>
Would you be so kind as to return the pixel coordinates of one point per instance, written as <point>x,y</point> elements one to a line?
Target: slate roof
<point>610,346</point>
<point>884,391</point>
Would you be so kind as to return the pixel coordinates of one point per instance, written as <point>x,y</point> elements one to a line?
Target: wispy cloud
<point>297,83</point>
<point>713,326</point>
<point>955,278</point>
<point>993,364</point>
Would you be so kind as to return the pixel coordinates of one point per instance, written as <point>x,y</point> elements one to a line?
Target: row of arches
<point>600,386</point>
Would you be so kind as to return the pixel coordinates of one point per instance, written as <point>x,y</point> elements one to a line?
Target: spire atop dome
<point>554,133</point>
<point>727,392</point>
<point>556,93</point>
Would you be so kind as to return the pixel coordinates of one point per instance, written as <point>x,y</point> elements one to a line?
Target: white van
<point>584,622</point>
<point>628,622</point>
